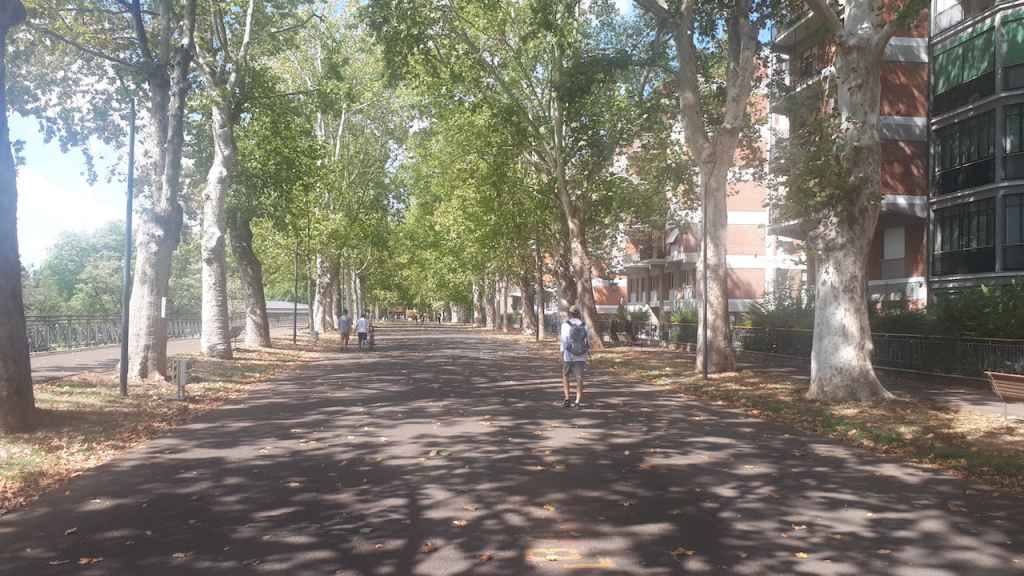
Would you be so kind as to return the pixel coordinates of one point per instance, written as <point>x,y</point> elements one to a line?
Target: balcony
<point>797,24</point>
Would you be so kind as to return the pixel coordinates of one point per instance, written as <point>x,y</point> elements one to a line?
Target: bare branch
<point>243,52</point>
<point>140,31</point>
<point>656,8</point>
<point>687,80</point>
<point>82,47</point>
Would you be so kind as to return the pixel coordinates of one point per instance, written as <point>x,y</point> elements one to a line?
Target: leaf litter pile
<point>973,444</point>
<point>82,421</point>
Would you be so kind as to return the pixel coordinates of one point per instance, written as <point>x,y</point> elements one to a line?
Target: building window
<point>1013,244</point>
<point>965,71</point>
<point>1013,53</point>
<point>965,154</point>
<point>808,64</point>
<point>894,247</point>
<point>964,239</point>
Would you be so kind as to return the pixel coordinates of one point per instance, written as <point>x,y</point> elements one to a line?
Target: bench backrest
<point>1009,387</point>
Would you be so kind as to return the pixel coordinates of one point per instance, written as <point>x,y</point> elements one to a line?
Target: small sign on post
<point>179,375</point>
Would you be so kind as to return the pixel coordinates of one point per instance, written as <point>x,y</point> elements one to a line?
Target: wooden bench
<point>1009,387</point>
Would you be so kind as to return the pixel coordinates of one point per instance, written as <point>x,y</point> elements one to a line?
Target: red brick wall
<point>904,168</point>
<point>904,89</point>
<point>746,283</point>
<point>916,249</point>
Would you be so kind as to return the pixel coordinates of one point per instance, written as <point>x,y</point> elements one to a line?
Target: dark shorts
<point>573,369</point>
<point>363,336</point>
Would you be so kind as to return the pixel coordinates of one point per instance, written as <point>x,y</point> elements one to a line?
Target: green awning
<point>979,56</point>
<point>948,70</point>
<point>1013,43</point>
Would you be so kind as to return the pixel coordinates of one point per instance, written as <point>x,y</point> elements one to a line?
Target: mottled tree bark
<point>257,325</point>
<point>529,303</point>
<point>478,306</point>
<point>322,307</point>
<point>159,224</point>
<point>215,339</point>
<point>722,357</point>
<point>489,302</point>
<point>841,368</point>
<point>540,292</point>
<point>17,400</point>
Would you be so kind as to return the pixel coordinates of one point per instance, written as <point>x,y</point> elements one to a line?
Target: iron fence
<point>54,333</point>
<point>922,353</point>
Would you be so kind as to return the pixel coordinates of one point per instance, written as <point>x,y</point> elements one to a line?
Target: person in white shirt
<point>362,330</point>
<point>574,342</point>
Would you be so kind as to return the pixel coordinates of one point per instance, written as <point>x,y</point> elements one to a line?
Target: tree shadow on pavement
<point>445,452</point>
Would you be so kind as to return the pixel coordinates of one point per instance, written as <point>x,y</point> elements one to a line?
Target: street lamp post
<point>126,288</point>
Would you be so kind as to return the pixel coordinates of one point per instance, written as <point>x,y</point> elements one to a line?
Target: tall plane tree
<point>544,64</point>
<point>110,44</point>
<point>716,44</point>
<point>842,198</point>
<point>222,57</point>
<point>17,402</point>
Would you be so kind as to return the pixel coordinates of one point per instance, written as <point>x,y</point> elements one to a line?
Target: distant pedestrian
<point>574,342</point>
<point>345,328</point>
<point>363,330</point>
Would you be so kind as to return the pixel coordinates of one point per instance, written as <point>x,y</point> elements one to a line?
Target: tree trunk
<point>566,286</point>
<point>490,303</point>
<point>722,357</point>
<point>17,400</point>
<point>159,228</point>
<point>335,295</point>
<point>529,304</point>
<point>841,368</point>
<point>250,271</point>
<point>581,267</point>
<point>478,306</point>
<point>322,296</point>
<point>540,292</point>
<point>215,340</point>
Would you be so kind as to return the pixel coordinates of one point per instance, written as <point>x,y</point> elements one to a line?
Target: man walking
<point>574,341</point>
<point>362,330</point>
<point>345,328</point>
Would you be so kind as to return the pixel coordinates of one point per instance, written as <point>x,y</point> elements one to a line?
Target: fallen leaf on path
<point>459,523</point>
<point>680,552</point>
<point>88,560</point>
<point>428,547</point>
<point>551,558</point>
<point>486,557</point>
<point>549,507</point>
<point>801,555</point>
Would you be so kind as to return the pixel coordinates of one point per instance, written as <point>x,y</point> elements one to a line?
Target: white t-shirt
<point>362,326</point>
<point>563,341</point>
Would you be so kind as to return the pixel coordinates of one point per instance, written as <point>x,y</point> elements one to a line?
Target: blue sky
<point>54,194</point>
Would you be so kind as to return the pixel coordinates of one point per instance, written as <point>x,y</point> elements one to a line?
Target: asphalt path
<point>446,451</point>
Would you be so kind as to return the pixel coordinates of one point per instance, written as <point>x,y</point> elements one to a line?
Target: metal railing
<point>55,333</point>
<point>933,354</point>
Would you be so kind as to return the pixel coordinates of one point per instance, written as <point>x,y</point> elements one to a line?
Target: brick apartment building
<point>804,63</point>
<point>661,268</point>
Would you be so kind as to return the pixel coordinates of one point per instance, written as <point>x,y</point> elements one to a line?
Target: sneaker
<point>567,403</point>
<point>577,405</point>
